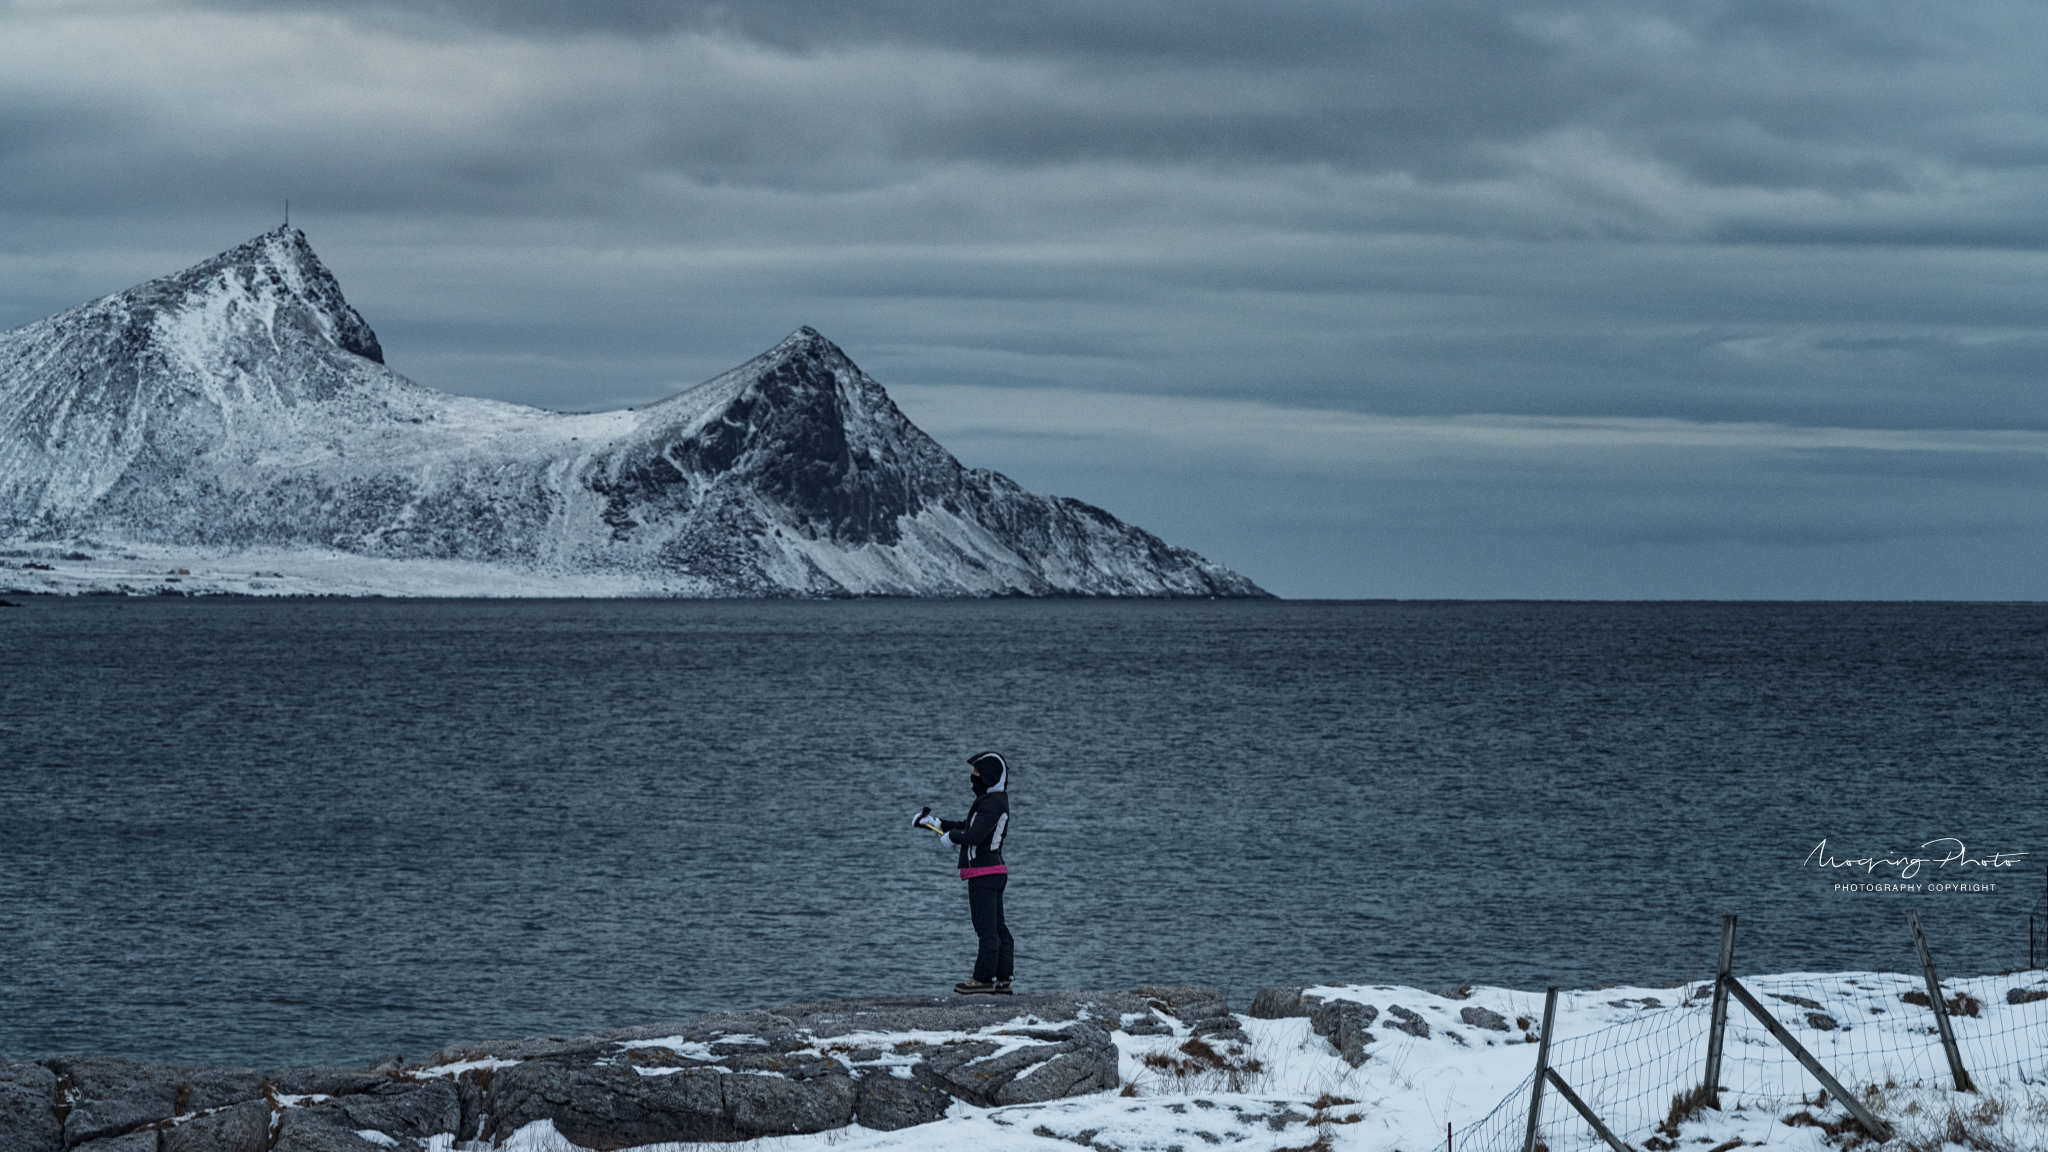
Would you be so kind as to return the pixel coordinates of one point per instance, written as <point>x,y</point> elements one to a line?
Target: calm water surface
<point>272,832</point>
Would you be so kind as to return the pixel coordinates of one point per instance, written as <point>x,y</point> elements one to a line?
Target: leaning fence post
<point>1948,1034</point>
<point>1864,1115</point>
<point>1542,1067</point>
<point>1719,1025</point>
<point>1600,1127</point>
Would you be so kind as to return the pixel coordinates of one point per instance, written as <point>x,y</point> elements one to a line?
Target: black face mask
<point>975,781</point>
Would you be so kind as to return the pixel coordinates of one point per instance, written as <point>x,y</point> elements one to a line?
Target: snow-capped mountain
<point>242,407</point>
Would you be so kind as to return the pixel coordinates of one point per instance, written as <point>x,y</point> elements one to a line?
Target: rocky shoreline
<point>881,1062</point>
<point>1151,1069</point>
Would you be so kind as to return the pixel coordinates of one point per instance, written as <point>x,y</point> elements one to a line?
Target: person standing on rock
<point>980,840</point>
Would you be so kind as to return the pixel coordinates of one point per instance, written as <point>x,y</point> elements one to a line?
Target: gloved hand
<point>925,820</point>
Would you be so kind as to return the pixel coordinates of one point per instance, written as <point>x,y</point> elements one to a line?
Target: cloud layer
<point>1557,221</point>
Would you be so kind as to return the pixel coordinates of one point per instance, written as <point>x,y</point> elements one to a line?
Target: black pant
<point>997,958</point>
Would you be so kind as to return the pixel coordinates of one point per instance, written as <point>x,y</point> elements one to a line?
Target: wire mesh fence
<point>1866,1029</point>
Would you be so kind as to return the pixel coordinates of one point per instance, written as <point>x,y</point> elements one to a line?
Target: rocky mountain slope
<point>242,408</point>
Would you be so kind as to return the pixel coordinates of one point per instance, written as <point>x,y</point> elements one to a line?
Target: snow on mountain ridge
<point>282,259</point>
<point>242,405</point>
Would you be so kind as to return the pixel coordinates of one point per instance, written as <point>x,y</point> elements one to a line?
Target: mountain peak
<point>282,265</point>
<point>805,341</point>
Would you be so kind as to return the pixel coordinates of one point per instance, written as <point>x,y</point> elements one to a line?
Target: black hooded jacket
<point>980,836</point>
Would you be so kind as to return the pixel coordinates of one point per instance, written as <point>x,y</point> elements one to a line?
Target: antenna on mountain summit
<point>287,213</point>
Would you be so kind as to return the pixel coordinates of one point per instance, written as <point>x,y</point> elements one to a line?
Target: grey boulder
<point>1147,1024</point>
<point>1345,1024</point>
<point>1479,1017</point>
<point>1077,1058</point>
<point>1084,1061</point>
<point>111,1096</point>
<point>26,1121</point>
<point>785,1104</point>
<point>609,1107</point>
<point>415,1110</point>
<point>886,1102</point>
<point>1406,1021</point>
<point>242,1128</point>
<point>1072,1073</point>
<point>402,1109</point>
<point>301,1130</point>
<point>1278,1002</point>
<point>1188,1002</point>
<point>1203,1010</point>
<point>614,1106</point>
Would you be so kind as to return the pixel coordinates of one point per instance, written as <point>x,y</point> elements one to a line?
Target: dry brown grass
<point>1687,1106</point>
<point>1197,1063</point>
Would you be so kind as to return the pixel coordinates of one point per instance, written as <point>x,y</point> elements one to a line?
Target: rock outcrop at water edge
<point>883,1062</point>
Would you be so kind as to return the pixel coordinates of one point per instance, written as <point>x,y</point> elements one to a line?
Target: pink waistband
<point>997,870</point>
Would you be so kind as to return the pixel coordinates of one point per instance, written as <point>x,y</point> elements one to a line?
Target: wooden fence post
<point>1542,1068</point>
<point>1948,1034</point>
<point>1719,1024</point>
<point>1871,1124</point>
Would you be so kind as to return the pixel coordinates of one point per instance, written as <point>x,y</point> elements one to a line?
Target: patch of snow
<point>458,1068</point>
<point>689,1049</point>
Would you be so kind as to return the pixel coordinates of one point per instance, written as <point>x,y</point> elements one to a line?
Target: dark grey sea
<point>296,831</point>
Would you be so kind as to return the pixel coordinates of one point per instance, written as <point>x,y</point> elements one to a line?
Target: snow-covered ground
<point>1287,1088</point>
<point>155,570</point>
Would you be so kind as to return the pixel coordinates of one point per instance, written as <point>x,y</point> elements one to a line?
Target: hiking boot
<point>1003,985</point>
<point>970,987</point>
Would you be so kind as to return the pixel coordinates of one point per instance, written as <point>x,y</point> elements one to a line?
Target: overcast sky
<point>1437,299</point>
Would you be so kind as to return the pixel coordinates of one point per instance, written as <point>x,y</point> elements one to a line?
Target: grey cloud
<point>1777,95</point>
<point>1508,118</point>
<point>1188,30</point>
